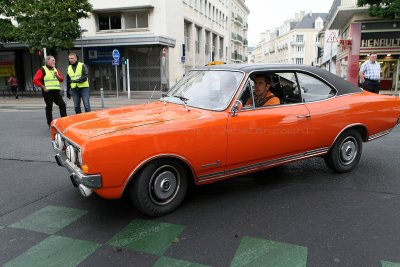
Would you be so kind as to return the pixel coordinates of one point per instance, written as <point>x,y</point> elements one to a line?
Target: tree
<point>389,9</point>
<point>46,23</point>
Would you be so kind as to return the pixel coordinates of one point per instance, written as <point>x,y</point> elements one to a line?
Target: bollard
<point>102,97</point>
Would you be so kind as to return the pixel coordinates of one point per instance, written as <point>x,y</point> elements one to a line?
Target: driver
<point>262,95</point>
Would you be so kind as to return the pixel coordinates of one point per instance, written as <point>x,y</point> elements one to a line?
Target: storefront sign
<point>100,55</point>
<point>7,70</point>
<point>7,64</point>
<point>380,42</point>
<point>345,42</point>
<point>381,39</point>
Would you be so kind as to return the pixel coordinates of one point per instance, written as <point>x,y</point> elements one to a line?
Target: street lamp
<point>82,31</point>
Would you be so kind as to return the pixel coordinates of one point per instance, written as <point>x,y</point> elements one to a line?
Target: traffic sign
<point>115,54</point>
<point>332,37</point>
<point>115,62</point>
<point>164,51</point>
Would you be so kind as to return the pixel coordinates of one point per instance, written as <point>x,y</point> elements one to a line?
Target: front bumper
<point>92,181</point>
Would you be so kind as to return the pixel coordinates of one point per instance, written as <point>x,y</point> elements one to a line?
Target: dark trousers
<point>14,90</point>
<point>50,97</point>
<point>371,85</point>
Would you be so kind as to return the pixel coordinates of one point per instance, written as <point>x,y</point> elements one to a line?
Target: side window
<point>247,95</point>
<point>286,88</point>
<point>313,89</point>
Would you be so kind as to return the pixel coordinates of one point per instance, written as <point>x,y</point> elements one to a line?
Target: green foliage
<point>8,31</point>
<point>389,9</point>
<point>46,23</point>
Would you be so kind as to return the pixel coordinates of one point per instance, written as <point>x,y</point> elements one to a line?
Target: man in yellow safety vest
<point>78,83</point>
<point>49,79</point>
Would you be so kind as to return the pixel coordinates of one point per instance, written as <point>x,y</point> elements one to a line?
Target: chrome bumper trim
<point>91,181</point>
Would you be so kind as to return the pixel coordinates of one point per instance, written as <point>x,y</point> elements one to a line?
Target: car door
<point>261,137</point>
<point>326,111</point>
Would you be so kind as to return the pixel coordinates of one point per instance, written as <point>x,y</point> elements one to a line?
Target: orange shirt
<point>272,101</point>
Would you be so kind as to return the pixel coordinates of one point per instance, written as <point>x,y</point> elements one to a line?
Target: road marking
<point>56,251</point>
<point>260,252</point>
<point>166,261</point>
<point>389,264</point>
<point>50,219</point>
<point>147,236</point>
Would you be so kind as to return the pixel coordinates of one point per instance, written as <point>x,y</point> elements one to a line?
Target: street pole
<point>44,54</point>
<point>129,78</point>
<point>116,78</point>
<point>82,57</point>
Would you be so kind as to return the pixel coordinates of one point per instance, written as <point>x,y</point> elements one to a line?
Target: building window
<point>299,49</point>
<point>299,38</point>
<point>135,20</point>
<point>109,22</point>
<point>299,61</point>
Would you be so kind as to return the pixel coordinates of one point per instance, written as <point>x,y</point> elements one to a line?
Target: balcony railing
<point>236,56</point>
<point>297,43</point>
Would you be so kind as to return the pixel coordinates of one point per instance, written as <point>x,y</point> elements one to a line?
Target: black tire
<point>160,187</point>
<point>345,152</point>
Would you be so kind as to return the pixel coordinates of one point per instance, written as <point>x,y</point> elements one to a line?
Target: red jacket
<point>38,79</point>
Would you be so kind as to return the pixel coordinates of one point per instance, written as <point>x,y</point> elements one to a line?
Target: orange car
<point>204,130</point>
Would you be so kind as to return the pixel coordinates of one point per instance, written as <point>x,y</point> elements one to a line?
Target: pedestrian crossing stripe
<point>55,251</point>
<point>259,252</point>
<point>389,264</point>
<point>145,236</point>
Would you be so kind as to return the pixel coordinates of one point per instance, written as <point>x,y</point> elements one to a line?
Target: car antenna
<point>155,86</point>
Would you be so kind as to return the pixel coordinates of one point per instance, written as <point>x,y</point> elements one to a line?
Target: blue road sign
<point>115,62</point>
<point>115,54</point>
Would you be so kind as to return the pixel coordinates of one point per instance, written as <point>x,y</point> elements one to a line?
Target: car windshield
<point>207,89</point>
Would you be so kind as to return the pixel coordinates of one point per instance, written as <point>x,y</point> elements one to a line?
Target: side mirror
<point>237,107</point>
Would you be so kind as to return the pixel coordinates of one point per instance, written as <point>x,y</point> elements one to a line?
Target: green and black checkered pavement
<point>141,242</point>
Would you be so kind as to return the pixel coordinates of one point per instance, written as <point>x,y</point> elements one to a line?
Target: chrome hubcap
<point>164,185</point>
<point>348,150</point>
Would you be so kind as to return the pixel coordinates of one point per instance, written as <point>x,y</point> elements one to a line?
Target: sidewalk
<point>110,101</point>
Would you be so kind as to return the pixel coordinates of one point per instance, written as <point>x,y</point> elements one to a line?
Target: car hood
<point>82,127</point>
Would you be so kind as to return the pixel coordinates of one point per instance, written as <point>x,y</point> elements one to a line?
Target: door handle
<point>306,116</point>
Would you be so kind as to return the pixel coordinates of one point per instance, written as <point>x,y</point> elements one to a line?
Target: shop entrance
<point>389,72</point>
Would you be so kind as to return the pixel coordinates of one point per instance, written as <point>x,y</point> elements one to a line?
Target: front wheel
<point>345,152</point>
<point>160,187</point>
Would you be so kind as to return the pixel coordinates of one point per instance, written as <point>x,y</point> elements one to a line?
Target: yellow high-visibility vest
<point>76,75</point>
<point>50,80</point>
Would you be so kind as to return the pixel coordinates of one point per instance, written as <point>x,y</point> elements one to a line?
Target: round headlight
<point>71,153</point>
<point>59,141</point>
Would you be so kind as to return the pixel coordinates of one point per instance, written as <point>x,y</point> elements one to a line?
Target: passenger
<point>262,95</point>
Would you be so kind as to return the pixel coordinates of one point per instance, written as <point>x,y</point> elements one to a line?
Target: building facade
<point>294,42</point>
<point>358,35</point>
<point>159,40</point>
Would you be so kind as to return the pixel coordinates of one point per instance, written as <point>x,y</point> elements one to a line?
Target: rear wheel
<point>345,152</point>
<point>160,187</point>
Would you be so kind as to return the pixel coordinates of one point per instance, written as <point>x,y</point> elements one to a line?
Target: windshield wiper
<point>184,100</point>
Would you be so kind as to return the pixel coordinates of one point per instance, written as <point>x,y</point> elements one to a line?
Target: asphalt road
<point>300,214</point>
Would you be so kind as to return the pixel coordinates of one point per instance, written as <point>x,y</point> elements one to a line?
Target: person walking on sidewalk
<point>49,79</point>
<point>370,74</point>
<point>13,82</point>
<point>78,83</point>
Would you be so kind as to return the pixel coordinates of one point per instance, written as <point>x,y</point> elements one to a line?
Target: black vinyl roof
<point>342,86</point>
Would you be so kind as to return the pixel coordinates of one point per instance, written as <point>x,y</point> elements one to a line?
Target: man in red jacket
<point>49,79</point>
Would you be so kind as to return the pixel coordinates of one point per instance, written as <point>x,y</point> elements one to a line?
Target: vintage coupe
<point>202,130</point>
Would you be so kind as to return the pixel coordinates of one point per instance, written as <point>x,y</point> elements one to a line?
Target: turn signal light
<point>85,169</point>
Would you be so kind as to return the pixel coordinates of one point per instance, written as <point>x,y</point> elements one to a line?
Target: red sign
<point>345,42</point>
